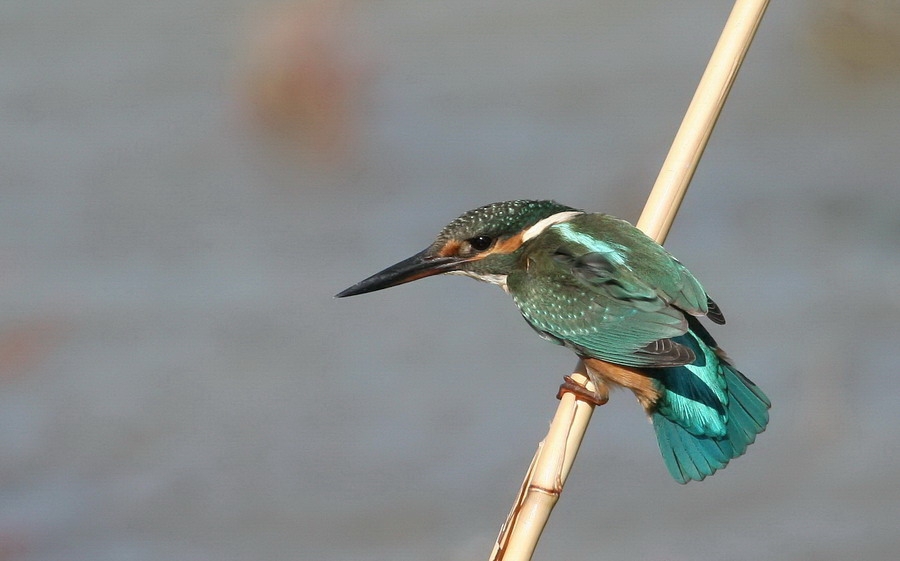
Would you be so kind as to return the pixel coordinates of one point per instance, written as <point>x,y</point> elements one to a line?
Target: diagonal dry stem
<point>556,453</point>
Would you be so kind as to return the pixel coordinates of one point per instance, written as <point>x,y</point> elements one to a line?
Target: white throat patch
<point>539,228</point>
<point>499,280</point>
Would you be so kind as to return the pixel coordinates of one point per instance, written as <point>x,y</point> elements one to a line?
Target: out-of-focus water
<point>177,382</point>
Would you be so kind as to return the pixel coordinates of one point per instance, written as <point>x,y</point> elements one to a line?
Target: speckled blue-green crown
<point>500,218</point>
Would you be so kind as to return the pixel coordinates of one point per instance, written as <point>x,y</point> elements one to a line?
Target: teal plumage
<point>611,293</point>
<point>709,412</point>
<point>621,302</point>
<point>601,286</point>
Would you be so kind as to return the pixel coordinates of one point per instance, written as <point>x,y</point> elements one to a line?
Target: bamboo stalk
<point>700,118</point>
<point>555,455</point>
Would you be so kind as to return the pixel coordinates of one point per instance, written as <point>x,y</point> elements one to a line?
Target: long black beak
<point>421,265</point>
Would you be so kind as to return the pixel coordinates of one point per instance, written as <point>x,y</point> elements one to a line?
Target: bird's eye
<point>480,243</point>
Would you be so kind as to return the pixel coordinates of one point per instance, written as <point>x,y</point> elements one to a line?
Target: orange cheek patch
<point>450,249</point>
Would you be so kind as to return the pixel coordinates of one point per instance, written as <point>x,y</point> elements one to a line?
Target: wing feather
<point>615,295</point>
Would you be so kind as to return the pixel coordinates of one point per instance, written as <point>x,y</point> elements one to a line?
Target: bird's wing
<point>599,303</point>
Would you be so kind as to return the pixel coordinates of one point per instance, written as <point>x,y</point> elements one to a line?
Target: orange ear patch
<point>508,245</point>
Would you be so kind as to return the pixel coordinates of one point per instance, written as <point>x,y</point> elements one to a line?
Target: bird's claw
<point>580,392</point>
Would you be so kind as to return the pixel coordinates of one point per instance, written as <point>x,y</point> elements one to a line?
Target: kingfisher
<point>629,309</point>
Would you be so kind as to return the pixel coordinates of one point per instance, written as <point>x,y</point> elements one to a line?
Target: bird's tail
<point>709,412</point>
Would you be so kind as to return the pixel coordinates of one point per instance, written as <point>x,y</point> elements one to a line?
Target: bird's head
<point>484,243</point>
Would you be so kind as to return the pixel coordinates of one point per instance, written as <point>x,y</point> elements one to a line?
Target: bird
<point>627,308</point>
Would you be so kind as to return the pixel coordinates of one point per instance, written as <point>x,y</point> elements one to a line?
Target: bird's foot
<point>581,393</point>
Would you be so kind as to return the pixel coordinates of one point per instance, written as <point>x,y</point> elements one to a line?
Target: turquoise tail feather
<point>709,412</point>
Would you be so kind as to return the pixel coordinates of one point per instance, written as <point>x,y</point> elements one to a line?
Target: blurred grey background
<point>184,186</point>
